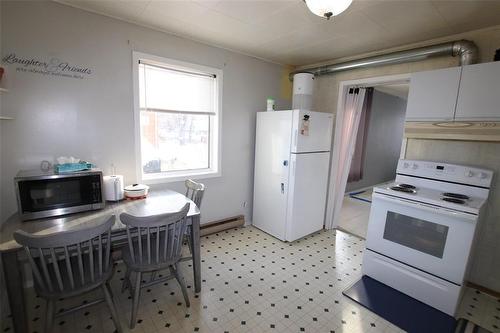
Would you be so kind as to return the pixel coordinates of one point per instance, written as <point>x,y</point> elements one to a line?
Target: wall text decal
<point>52,66</point>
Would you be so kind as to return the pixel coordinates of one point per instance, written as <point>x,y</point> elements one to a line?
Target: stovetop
<point>454,187</point>
<point>442,195</point>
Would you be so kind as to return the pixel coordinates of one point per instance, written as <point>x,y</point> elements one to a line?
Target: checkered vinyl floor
<point>252,282</point>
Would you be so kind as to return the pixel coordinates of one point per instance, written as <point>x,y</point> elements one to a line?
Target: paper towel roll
<point>113,187</point>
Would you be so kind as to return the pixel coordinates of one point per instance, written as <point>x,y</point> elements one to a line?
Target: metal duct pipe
<point>465,49</point>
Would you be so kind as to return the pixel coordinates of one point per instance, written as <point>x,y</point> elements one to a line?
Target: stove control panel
<point>461,174</point>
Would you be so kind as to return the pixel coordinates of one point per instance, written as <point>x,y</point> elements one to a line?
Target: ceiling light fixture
<point>327,8</point>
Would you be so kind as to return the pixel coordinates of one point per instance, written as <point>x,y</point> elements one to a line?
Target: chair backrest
<point>156,239</point>
<point>67,260</point>
<point>194,191</point>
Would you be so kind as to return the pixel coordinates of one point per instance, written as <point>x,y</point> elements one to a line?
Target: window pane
<point>173,142</point>
<point>171,90</point>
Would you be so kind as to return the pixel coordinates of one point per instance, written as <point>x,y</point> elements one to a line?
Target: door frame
<point>330,221</point>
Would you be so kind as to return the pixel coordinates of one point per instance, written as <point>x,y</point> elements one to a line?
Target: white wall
<point>92,118</point>
<point>383,143</point>
<point>3,298</point>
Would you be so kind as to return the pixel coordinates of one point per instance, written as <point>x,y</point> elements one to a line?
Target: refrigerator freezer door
<point>307,194</point>
<point>272,154</point>
<point>312,135</point>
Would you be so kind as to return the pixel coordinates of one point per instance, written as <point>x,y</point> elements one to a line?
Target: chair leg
<point>110,290</point>
<point>135,300</point>
<point>190,245</point>
<point>153,276</point>
<point>49,317</point>
<point>109,299</point>
<point>180,278</point>
<point>126,280</point>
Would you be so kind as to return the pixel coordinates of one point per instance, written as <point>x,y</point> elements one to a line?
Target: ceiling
<point>284,31</point>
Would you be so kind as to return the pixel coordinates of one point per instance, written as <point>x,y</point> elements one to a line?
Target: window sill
<point>162,179</point>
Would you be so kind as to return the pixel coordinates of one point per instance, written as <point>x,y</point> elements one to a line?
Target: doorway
<point>379,149</point>
<point>374,154</point>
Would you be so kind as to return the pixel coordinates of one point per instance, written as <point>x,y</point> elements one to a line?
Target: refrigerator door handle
<point>282,188</point>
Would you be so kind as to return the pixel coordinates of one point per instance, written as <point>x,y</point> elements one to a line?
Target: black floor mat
<point>401,310</point>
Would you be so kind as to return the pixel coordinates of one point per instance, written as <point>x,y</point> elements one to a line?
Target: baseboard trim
<point>221,225</point>
<point>485,290</point>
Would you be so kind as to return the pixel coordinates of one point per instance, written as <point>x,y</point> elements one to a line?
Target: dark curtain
<point>358,159</point>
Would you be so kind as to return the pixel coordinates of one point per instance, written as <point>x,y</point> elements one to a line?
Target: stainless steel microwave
<point>46,194</point>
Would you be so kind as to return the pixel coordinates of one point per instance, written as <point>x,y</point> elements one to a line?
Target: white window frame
<point>215,123</point>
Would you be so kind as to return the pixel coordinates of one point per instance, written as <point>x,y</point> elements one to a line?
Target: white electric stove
<point>422,227</point>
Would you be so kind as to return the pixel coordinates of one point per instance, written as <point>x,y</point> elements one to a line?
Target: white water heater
<point>303,84</point>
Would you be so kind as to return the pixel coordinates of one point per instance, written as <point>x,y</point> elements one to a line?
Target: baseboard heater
<point>221,225</point>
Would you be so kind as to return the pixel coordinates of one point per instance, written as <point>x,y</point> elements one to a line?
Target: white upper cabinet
<point>479,94</point>
<point>433,95</point>
<point>468,93</point>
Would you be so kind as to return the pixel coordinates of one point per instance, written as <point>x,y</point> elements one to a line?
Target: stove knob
<point>414,166</point>
<point>406,165</point>
<point>483,175</point>
<point>470,174</point>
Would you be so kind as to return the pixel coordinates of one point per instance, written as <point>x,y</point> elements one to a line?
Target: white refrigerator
<point>292,153</point>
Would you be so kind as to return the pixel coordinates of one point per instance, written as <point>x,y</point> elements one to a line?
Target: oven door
<point>433,239</point>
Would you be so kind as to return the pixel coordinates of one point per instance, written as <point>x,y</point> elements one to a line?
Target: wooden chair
<point>194,191</point>
<point>70,263</point>
<point>154,243</point>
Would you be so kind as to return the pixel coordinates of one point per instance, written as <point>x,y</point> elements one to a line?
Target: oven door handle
<point>428,208</point>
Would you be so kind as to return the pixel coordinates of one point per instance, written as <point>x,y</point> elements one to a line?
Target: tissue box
<point>72,167</point>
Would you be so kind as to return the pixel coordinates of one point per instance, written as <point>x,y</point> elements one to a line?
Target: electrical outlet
<point>244,204</point>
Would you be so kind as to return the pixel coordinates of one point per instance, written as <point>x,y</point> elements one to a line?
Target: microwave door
<point>56,194</point>
<point>434,240</point>
<point>44,195</point>
<point>40,198</point>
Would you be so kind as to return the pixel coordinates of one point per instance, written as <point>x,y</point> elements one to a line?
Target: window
<point>179,118</point>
